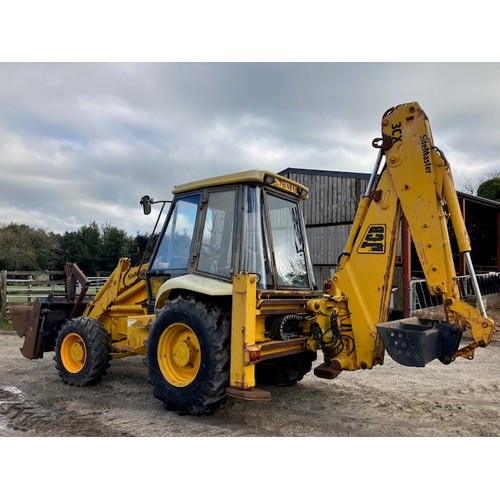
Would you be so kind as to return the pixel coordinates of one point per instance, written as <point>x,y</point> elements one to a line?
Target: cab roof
<point>263,177</point>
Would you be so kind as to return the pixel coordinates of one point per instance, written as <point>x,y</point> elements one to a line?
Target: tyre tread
<point>203,396</point>
<point>98,346</point>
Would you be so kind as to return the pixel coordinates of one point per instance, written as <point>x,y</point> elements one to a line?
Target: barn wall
<point>333,196</point>
<point>328,213</point>
<point>331,208</point>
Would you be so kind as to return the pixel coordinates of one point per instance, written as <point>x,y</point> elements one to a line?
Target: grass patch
<point>5,325</point>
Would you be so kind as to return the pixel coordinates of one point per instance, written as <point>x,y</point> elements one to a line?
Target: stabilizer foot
<point>328,370</point>
<point>252,394</point>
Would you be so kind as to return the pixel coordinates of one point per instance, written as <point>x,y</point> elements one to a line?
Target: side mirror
<point>146,204</point>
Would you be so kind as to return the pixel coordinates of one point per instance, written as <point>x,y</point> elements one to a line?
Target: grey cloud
<point>82,142</point>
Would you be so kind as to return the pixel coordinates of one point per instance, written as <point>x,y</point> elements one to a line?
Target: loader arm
<point>122,295</point>
<point>351,322</point>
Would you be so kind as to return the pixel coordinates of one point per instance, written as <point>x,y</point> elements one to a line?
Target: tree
<point>468,187</point>
<point>490,189</point>
<point>83,247</point>
<point>95,249</point>
<point>473,185</point>
<point>115,243</point>
<point>28,249</point>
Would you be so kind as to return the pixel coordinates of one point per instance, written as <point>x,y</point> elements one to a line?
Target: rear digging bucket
<point>416,342</point>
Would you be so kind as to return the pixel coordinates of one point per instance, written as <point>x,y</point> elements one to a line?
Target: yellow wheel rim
<point>179,354</point>
<point>73,352</point>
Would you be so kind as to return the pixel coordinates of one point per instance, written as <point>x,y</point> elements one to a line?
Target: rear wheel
<point>286,371</point>
<point>83,351</point>
<point>188,356</point>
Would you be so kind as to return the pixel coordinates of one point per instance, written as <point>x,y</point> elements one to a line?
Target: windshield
<point>173,252</point>
<point>216,253</point>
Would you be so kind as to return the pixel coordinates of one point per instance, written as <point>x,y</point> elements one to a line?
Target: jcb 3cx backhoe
<point>228,299</point>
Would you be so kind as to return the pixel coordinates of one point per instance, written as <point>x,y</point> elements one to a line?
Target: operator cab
<point>249,222</point>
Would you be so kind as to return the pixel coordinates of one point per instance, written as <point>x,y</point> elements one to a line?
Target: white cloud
<point>83,142</point>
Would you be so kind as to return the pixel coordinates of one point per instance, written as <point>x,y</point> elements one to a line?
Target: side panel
<point>243,330</point>
<point>202,285</point>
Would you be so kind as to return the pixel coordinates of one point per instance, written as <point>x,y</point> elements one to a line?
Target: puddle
<point>11,394</point>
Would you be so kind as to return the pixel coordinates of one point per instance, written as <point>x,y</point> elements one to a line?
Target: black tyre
<point>286,371</point>
<point>188,356</point>
<point>83,351</point>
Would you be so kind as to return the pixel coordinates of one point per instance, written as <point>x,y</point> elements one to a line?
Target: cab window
<point>174,250</point>
<point>216,252</point>
<point>288,242</point>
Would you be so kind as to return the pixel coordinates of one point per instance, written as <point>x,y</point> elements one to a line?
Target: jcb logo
<point>374,240</point>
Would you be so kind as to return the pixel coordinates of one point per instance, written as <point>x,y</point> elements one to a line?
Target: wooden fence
<point>23,287</point>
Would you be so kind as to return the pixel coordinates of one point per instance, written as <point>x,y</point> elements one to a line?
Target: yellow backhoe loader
<point>228,300</point>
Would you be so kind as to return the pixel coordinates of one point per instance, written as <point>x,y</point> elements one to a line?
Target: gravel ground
<point>461,399</point>
<point>391,401</point>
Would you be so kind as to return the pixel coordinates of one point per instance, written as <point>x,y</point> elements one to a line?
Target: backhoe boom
<point>415,182</point>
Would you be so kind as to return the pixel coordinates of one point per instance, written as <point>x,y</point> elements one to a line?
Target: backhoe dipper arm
<point>415,181</point>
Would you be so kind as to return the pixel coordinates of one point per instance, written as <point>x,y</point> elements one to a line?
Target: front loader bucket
<point>26,321</point>
<point>416,342</point>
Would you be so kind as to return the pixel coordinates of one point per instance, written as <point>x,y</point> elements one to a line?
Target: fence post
<point>30,288</point>
<point>3,294</point>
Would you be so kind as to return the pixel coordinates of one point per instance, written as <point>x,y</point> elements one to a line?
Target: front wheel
<point>83,351</point>
<point>188,356</point>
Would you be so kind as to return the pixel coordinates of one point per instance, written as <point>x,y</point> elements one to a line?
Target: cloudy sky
<point>82,142</point>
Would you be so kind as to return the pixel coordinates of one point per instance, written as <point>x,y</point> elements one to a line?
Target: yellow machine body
<point>417,183</point>
<point>208,337</point>
<point>121,307</point>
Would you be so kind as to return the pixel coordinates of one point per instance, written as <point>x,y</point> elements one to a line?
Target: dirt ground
<point>461,399</point>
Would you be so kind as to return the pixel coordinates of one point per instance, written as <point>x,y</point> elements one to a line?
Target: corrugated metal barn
<point>328,213</point>
<point>331,208</point>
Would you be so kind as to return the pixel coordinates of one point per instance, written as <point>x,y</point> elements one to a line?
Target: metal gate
<point>420,298</point>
